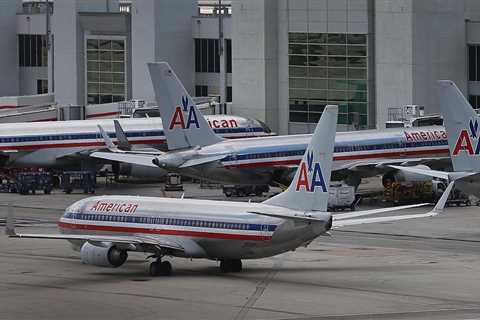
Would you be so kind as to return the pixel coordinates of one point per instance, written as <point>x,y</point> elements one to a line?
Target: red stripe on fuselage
<point>184,233</point>
<point>75,144</point>
<point>341,158</point>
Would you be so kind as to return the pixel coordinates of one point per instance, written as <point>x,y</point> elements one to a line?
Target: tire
<point>225,266</point>
<point>154,269</point>
<point>236,265</point>
<point>165,268</point>
<point>230,265</point>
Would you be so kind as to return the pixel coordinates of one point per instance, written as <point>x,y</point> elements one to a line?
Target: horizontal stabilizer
<point>439,207</point>
<point>303,218</point>
<point>357,214</point>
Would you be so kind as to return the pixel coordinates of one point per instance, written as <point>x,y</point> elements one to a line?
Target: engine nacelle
<point>109,256</point>
<point>137,171</point>
<point>403,176</point>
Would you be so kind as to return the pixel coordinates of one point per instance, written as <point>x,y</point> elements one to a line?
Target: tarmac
<point>418,269</point>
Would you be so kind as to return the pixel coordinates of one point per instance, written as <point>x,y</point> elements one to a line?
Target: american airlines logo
<point>178,118</point>
<point>467,140</point>
<point>105,206</point>
<point>425,135</point>
<point>216,124</point>
<point>303,177</point>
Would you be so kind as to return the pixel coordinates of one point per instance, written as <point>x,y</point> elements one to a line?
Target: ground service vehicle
<point>84,180</point>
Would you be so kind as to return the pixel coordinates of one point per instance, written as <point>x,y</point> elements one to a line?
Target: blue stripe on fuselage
<point>91,135</point>
<point>171,221</point>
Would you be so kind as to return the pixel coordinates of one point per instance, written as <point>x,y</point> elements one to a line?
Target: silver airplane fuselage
<point>211,229</point>
<point>254,160</point>
<point>64,143</point>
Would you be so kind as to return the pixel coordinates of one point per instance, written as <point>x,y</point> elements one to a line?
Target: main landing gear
<point>230,265</point>
<point>160,268</point>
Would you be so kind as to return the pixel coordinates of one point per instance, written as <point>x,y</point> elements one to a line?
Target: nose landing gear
<point>230,265</point>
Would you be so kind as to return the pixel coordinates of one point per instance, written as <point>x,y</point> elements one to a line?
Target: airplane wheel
<point>166,268</point>
<point>154,269</point>
<point>225,266</point>
<point>158,268</point>
<point>228,265</point>
<point>236,265</point>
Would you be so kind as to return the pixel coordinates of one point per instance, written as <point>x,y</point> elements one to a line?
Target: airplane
<point>194,150</point>
<point>67,144</point>
<point>105,228</point>
<point>462,124</point>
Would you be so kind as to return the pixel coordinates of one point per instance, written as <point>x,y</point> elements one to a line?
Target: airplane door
<point>264,229</point>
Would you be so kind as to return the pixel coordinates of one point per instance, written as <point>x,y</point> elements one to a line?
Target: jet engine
<point>109,256</point>
<point>402,176</point>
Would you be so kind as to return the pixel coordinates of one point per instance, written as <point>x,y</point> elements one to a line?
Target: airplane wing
<point>202,160</point>
<point>436,173</point>
<point>365,164</point>
<point>143,159</point>
<point>346,219</point>
<point>135,242</point>
<point>339,223</point>
<point>121,241</point>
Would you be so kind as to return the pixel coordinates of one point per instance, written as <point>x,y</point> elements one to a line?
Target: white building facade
<point>284,60</point>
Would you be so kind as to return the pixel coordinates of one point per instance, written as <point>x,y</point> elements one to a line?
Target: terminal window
<point>105,70</point>
<point>207,58</point>
<point>32,50</point>
<point>328,68</point>
<point>474,63</point>
<point>474,101</point>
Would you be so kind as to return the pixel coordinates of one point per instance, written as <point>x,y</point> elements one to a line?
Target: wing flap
<point>201,160</point>
<point>140,159</point>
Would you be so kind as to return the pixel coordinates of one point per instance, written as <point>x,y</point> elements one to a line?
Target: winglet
<point>108,141</point>
<point>10,223</point>
<point>443,200</point>
<point>122,140</point>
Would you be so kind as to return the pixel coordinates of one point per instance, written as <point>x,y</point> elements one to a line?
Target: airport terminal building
<point>282,60</point>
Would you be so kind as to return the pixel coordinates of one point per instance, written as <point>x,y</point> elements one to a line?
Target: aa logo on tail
<point>178,118</point>
<point>467,141</point>
<point>305,169</point>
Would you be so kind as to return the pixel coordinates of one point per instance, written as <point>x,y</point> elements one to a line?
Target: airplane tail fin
<point>308,190</point>
<point>122,139</point>
<point>183,124</point>
<point>462,125</point>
